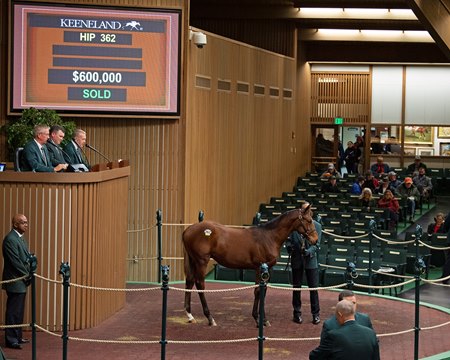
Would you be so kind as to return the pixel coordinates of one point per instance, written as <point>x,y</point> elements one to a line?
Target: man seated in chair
<point>409,192</point>
<point>73,152</point>
<point>423,183</point>
<point>35,153</point>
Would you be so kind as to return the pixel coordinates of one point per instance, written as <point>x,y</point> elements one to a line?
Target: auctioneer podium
<point>79,218</point>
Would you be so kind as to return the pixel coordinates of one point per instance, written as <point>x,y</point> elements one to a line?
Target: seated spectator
<point>330,186</point>
<point>438,225</point>
<point>376,147</point>
<point>393,181</point>
<point>331,171</point>
<point>413,169</point>
<point>423,183</point>
<point>383,185</point>
<point>366,199</point>
<point>390,202</point>
<point>392,146</point>
<point>407,190</point>
<point>357,186</point>
<point>370,181</point>
<point>379,168</point>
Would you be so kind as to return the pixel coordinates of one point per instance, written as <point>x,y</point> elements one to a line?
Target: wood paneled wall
<point>340,95</point>
<point>241,144</point>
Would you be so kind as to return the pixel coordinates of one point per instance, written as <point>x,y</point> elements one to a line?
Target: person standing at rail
<point>304,260</point>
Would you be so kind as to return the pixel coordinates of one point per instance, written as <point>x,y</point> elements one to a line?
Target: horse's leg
<point>200,285</point>
<point>256,304</point>
<point>187,299</point>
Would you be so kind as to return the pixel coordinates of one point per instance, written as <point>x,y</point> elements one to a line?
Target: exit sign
<point>338,121</point>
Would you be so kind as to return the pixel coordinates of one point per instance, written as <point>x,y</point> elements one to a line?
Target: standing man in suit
<point>332,322</point>
<point>53,146</point>
<point>35,153</point>
<point>350,341</point>
<point>15,265</point>
<point>304,260</point>
<point>74,149</point>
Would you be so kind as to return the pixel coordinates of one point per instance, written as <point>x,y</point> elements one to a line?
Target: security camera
<point>199,39</point>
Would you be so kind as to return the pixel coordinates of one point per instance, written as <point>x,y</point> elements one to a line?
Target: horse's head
<point>306,225</point>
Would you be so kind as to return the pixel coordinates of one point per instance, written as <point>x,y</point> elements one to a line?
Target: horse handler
<point>304,260</point>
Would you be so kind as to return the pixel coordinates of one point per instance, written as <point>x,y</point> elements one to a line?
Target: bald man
<point>350,341</point>
<point>332,323</point>
<point>15,265</point>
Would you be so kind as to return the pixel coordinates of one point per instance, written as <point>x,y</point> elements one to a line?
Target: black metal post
<point>65,272</point>
<point>350,274</point>
<point>159,227</point>
<point>201,216</point>
<point>257,218</point>
<point>165,289</point>
<point>419,267</point>
<point>262,294</point>
<point>372,227</point>
<point>32,261</point>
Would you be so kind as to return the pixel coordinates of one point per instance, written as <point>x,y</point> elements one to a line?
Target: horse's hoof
<point>267,323</point>
<point>191,319</point>
<point>212,323</point>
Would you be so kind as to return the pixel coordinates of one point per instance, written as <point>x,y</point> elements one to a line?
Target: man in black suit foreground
<point>332,323</point>
<point>15,265</point>
<point>350,341</point>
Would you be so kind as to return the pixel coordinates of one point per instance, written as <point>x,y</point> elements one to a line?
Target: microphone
<point>98,152</point>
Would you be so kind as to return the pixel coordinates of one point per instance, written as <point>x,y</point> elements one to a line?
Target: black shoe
<point>16,346</point>
<point>24,341</point>
<point>297,319</point>
<point>316,320</point>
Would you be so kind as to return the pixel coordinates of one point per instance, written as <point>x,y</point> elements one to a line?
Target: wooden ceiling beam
<point>435,17</point>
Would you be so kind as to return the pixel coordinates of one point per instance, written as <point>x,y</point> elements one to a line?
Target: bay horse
<point>239,248</point>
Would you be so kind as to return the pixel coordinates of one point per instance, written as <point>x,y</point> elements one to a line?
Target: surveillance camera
<point>199,39</point>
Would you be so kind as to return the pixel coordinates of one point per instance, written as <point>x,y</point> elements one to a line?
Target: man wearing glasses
<point>35,153</point>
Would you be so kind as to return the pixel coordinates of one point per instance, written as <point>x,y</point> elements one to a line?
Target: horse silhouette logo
<point>133,25</point>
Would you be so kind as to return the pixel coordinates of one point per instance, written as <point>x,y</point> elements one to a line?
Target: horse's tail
<point>187,265</point>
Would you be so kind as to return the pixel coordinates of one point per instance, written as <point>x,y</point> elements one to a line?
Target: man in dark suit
<point>332,323</point>
<point>35,153</point>
<point>15,265</point>
<point>304,260</point>
<point>73,152</point>
<point>53,146</point>
<point>350,341</point>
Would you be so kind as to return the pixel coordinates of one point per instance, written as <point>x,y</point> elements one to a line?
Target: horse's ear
<point>307,208</point>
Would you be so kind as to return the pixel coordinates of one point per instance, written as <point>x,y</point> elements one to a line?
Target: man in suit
<point>304,260</point>
<point>35,153</point>
<point>53,146</point>
<point>332,323</point>
<point>15,265</point>
<point>350,341</point>
<point>73,152</point>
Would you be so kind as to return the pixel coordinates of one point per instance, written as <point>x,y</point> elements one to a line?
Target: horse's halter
<point>302,219</point>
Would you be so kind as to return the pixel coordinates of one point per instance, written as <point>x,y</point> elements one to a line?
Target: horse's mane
<point>273,224</point>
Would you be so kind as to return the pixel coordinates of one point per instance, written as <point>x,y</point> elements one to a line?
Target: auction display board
<point>85,59</point>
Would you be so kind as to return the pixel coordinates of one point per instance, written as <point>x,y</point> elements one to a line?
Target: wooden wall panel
<point>238,144</point>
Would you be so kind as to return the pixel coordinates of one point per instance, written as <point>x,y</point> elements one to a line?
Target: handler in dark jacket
<point>304,260</point>
<point>15,265</point>
<point>332,323</point>
<point>350,341</point>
